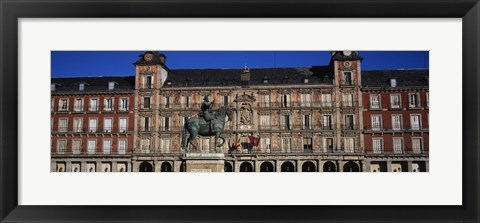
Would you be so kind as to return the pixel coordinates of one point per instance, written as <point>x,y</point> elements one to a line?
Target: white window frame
<point>349,144</point>
<point>398,147</point>
<point>347,99</point>
<point>392,101</point>
<point>286,144</point>
<point>325,144</point>
<point>419,127</point>
<point>74,144</point>
<point>376,127</point>
<point>60,104</point>
<point>326,100</point>
<point>60,142</point>
<point>304,140</point>
<point>121,150</point>
<point>90,149</point>
<point>167,101</point>
<point>105,104</point>
<point>378,104</point>
<point>105,128</point>
<point>394,127</point>
<point>418,102</point>
<point>288,98</point>
<point>123,106</point>
<point>304,124</point>
<point>265,121</point>
<point>186,101</point>
<point>377,145</point>
<point>330,123</point>
<point>64,128</point>
<point>105,149</point>
<point>420,149</point>
<point>120,127</point>
<point>90,105</point>
<point>165,145</point>
<point>76,107</point>
<point>78,124</point>
<point>90,128</point>
<point>306,99</point>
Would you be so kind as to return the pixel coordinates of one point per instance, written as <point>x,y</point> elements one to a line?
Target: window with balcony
<point>148,82</point>
<point>186,100</point>
<point>285,122</point>
<point>92,125</point>
<point>375,101</point>
<point>327,122</point>
<point>265,122</point>
<point>122,146</point>
<point>63,104</point>
<point>265,101</point>
<point>307,144</point>
<point>395,101</point>
<point>414,100</point>
<point>78,106</point>
<point>146,103</point>
<point>62,124</point>
<point>122,127</point>
<point>417,145</point>
<point>166,101</point>
<point>307,121</point>
<point>107,146</point>
<point>326,100</point>
<point>226,100</point>
<point>61,146</point>
<point>415,122</point>
<point>328,145</point>
<point>286,144</point>
<point>77,124</point>
<point>347,78</point>
<point>348,100</point>
<point>397,122</point>
<point>285,100</point>
<point>145,144</point>
<point>76,146</point>
<point>265,144</point>
<point>349,143</point>
<point>306,100</point>
<point>91,146</point>
<point>93,104</point>
<point>398,145</point>
<point>107,125</point>
<point>145,124</point>
<point>123,104</point>
<point>165,145</point>
<point>348,122</point>
<point>108,104</point>
<point>166,123</point>
<point>376,122</point>
<point>377,144</point>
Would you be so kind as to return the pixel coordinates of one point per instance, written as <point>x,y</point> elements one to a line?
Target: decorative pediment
<point>244,98</point>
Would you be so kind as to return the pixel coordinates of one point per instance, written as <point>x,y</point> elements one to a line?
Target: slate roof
<point>94,84</point>
<point>232,77</point>
<point>404,77</point>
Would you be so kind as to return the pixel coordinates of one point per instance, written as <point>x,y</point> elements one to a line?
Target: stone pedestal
<point>204,162</point>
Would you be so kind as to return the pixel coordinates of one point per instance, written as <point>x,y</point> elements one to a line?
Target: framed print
<point>176,111</point>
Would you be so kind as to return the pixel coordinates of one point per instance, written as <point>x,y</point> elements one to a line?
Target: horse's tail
<point>184,135</point>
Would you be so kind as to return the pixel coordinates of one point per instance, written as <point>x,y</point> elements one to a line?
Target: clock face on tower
<point>148,57</point>
<point>347,53</point>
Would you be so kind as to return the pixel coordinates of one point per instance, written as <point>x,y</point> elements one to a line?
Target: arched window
<point>309,166</point>
<point>166,167</point>
<point>246,167</point>
<point>288,167</point>
<point>351,167</point>
<point>228,167</point>
<point>146,167</point>
<point>266,167</point>
<point>329,167</point>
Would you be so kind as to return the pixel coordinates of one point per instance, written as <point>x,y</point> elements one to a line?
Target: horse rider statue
<point>206,112</point>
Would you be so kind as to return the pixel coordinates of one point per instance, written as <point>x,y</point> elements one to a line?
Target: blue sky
<point>119,63</point>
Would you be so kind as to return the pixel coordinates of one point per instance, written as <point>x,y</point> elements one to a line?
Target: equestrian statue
<point>208,123</point>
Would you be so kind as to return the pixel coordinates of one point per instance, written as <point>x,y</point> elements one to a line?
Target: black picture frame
<point>11,11</point>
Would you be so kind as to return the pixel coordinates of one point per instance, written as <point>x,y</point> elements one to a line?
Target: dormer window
<point>81,86</point>
<point>393,82</point>
<point>52,87</point>
<point>111,85</point>
<point>169,83</point>
<point>285,80</point>
<point>265,80</point>
<point>305,80</point>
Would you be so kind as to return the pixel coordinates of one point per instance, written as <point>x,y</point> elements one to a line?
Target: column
<point>278,167</point>
<point>319,166</point>
<point>68,166</point>
<point>365,167</point>
<point>114,166</point>
<point>157,166</point>
<point>340,166</point>
<point>177,166</point>
<point>98,166</point>
<point>409,166</point>
<point>427,168</point>
<point>129,167</point>
<point>83,166</point>
<point>298,166</point>
<point>389,166</point>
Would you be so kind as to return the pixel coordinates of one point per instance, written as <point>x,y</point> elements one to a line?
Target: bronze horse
<point>198,126</point>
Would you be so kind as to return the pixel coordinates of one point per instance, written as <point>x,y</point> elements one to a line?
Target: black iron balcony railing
<point>349,127</point>
<point>349,104</point>
<point>396,128</point>
<point>79,130</point>
<point>85,151</point>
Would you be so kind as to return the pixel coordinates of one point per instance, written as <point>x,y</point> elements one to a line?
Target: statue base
<point>204,162</point>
